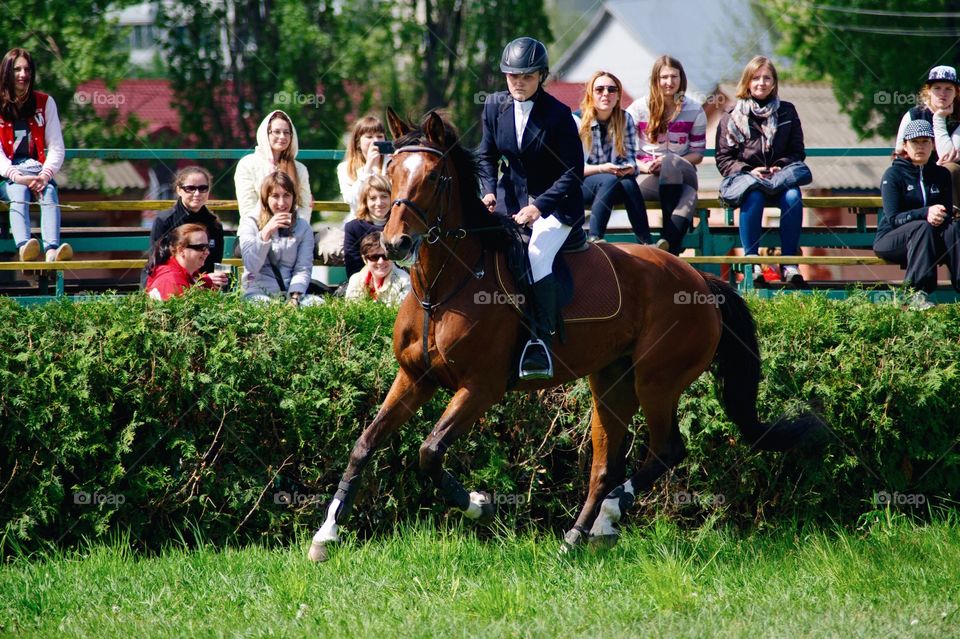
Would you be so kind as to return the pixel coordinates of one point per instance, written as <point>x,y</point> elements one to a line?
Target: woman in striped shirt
<point>671,129</point>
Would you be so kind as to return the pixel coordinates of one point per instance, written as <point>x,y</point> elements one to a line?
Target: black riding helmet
<point>525,55</point>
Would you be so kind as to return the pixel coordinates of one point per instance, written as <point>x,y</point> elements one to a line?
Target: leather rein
<point>436,233</point>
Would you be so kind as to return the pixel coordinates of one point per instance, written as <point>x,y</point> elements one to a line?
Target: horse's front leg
<point>406,396</point>
<point>466,407</point>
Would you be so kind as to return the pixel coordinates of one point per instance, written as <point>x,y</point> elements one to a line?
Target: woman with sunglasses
<point>193,191</point>
<point>672,133</point>
<point>379,279</point>
<point>277,246</point>
<point>177,260</point>
<point>610,145</point>
<point>277,148</point>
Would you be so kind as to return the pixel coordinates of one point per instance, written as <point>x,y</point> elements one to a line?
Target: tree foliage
<point>73,41</point>
<point>876,53</point>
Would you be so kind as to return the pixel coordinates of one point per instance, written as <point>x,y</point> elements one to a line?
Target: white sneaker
<point>919,302</point>
<point>30,251</point>
<point>62,253</point>
<point>791,275</point>
<point>663,245</point>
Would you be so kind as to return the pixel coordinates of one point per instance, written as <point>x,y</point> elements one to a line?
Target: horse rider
<point>540,182</point>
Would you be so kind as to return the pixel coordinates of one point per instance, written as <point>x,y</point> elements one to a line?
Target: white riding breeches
<point>548,236</point>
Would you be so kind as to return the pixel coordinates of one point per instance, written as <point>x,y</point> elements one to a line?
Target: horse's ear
<point>398,128</point>
<point>434,129</point>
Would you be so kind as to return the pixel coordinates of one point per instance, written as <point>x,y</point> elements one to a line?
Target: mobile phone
<point>221,268</point>
<point>384,146</point>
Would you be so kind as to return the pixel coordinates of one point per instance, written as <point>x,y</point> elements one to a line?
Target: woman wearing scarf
<point>761,135</point>
<point>379,279</point>
<point>193,191</point>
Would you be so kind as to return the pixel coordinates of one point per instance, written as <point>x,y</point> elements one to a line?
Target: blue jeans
<point>791,220</point>
<point>603,191</point>
<point>18,195</point>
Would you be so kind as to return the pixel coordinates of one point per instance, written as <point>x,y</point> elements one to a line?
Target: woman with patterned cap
<point>940,106</point>
<point>916,228</point>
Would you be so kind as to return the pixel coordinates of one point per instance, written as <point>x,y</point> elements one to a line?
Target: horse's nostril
<point>399,248</point>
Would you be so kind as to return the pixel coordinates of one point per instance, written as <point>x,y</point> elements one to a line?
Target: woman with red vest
<point>31,153</point>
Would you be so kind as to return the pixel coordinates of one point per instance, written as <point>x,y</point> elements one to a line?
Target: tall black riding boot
<point>536,361</point>
<point>680,225</point>
<point>670,195</point>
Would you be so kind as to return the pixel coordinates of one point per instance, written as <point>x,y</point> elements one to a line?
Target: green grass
<point>890,578</point>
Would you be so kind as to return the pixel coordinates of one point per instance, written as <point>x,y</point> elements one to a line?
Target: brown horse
<point>644,357</point>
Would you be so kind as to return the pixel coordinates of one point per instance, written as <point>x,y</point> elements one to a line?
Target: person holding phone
<point>760,135</point>
<point>917,227</point>
<point>276,150</point>
<point>671,133</point>
<point>363,159</point>
<point>540,183</point>
<point>609,140</point>
<point>277,246</point>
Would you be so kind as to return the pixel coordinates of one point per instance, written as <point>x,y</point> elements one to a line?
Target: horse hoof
<point>318,553</point>
<point>572,542</point>
<point>488,511</point>
<point>603,542</point>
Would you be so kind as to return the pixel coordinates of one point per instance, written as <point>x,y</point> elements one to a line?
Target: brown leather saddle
<point>597,294</point>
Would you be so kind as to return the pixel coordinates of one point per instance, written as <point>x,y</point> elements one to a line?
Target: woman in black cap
<point>540,183</point>
<point>916,228</point>
<point>940,106</point>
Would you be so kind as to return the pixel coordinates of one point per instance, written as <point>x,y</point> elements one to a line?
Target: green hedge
<point>209,415</point>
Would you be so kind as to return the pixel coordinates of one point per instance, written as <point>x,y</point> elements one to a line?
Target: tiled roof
<point>150,100</point>
<point>115,175</point>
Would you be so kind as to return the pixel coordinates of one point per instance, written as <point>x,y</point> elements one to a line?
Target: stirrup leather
<point>531,349</point>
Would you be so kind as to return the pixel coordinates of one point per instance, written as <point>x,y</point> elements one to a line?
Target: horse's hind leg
<point>664,451</point>
<point>466,407</point>
<point>406,396</point>
<point>614,405</point>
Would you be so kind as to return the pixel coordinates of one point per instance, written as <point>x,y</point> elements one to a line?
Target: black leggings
<point>921,247</point>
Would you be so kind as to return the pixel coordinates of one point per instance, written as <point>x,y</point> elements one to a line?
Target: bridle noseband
<point>435,230</point>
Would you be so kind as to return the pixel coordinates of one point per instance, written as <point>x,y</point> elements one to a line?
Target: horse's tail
<point>737,369</point>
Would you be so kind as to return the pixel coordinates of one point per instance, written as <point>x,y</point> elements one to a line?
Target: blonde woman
<point>671,129</point>
<point>609,140</point>
<point>372,215</point>
<point>277,246</point>
<point>362,161</point>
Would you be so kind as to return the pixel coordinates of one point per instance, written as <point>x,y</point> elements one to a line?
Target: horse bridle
<point>436,232</point>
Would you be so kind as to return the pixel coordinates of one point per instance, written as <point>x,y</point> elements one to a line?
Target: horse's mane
<point>467,169</point>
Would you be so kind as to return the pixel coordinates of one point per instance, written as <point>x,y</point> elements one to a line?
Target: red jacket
<point>37,125</point>
<point>170,278</point>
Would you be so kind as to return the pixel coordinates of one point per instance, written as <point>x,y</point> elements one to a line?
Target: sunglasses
<point>377,258</point>
<point>606,88</point>
<point>199,247</point>
<point>198,188</point>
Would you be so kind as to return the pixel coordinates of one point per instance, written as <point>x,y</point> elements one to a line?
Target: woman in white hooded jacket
<point>276,150</point>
